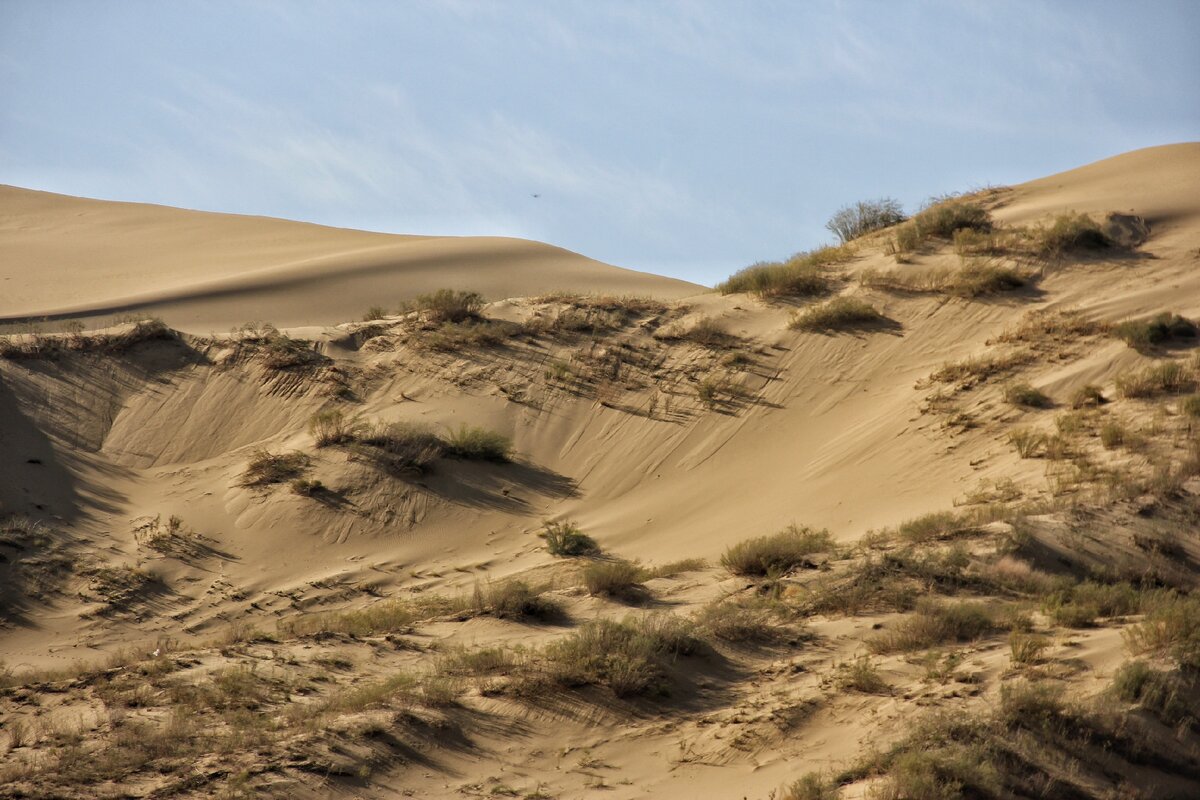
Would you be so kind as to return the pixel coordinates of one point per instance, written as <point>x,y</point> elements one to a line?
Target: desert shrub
<point>620,579</point>
<point>307,488</point>
<point>448,305</point>
<point>1030,704</point>
<point>838,314</point>
<point>934,525</point>
<point>811,786</point>
<point>944,218</point>
<point>479,444</point>
<point>1112,434</point>
<point>780,553</point>
<point>629,657</point>
<point>1029,443</point>
<point>1155,330</point>
<point>1026,648</point>
<point>1080,605</point>
<point>1190,406</point>
<point>1024,394</point>
<point>739,621</point>
<point>463,661</point>
<point>280,351</point>
<point>400,446</point>
<point>673,568</point>
<point>1172,627</point>
<point>978,280</point>
<point>860,675</point>
<point>935,624</point>
<point>514,599</point>
<point>266,467</point>
<point>1070,232</point>
<point>802,275</point>
<point>863,217</point>
<point>1166,377</point>
<point>332,427</point>
<point>375,312</point>
<point>1087,396</point>
<point>565,539</point>
<point>708,332</point>
<point>1165,694</point>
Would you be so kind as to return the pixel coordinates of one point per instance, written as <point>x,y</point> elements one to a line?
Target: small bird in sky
<point>535,196</point>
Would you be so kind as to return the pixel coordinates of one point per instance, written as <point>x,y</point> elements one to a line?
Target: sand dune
<point>70,257</point>
<point>658,442</point>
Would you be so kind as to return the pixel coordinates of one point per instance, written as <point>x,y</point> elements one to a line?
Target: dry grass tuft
<point>841,313</point>
<point>777,554</point>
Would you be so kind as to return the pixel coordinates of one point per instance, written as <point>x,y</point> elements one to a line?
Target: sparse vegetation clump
<point>618,579</point>
<point>333,427</point>
<point>400,446</point>
<point>515,599</point>
<point>863,217</point>
<point>777,554</point>
<point>936,623</point>
<point>565,539</point>
<point>802,275</point>
<point>1087,397</point>
<point>1080,605</point>
<point>1159,329</point>
<point>943,219</point>
<point>841,313</point>
<point>1165,377</point>
<point>1172,628</point>
<point>629,657</point>
<point>977,280</point>
<point>1169,695</point>
<point>448,305</point>
<point>740,621</point>
<point>478,444</point>
<point>1070,232</point>
<point>1025,395</point>
<point>266,467</point>
<point>860,675</point>
<point>280,351</point>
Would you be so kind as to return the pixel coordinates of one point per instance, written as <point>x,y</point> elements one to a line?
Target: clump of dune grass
<point>984,279</point>
<point>740,621</point>
<point>266,467</point>
<point>1026,395</point>
<point>943,219</point>
<point>841,313</point>
<point>1087,396</point>
<point>447,305</point>
<point>333,427</point>
<point>514,599</point>
<point>565,539</point>
<point>1047,325</point>
<point>1080,605</point>
<point>860,675</point>
<point>934,525</point>
<point>1112,434</point>
<point>400,446</point>
<point>1026,648</point>
<point>1028,443</point>
<point>1168,695</point>
<point>1156,330</point>
<point>1190,406</point>
<point>972,371</point>
<point>480,444</point>
<point>1070,232</point>
<point>777,554</point>
<point>1171,627</point>
<point>616,579</point>
<point>451,337</point>
<point>629,657</point>
<point>802,275</point>
<point>1167,377</point>
<point>936,623</point>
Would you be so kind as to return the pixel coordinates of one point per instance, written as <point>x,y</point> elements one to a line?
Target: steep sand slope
<point>72,257</point>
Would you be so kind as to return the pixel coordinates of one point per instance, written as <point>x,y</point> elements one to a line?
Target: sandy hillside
<point>316,561</point>
<point>64,256</point>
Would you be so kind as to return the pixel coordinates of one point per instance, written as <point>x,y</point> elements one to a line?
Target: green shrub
<point>449,305</point>
<point>565,539</point>
<point>1030,705</point>
<point>1155,330</point>
<point>1024,394</point>
<point>1080,605</point>
<point>620,579</point>
<point>1165,694</point>
<point>840,313</point>
<point>266,468</point>
<point>851,222</point>
<point>478,444</point>
<point>1171,626</point>
<point>332,427</point>
<point>777,554</point>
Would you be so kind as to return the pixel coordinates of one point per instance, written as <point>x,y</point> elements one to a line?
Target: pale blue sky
<point>687,138</point>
